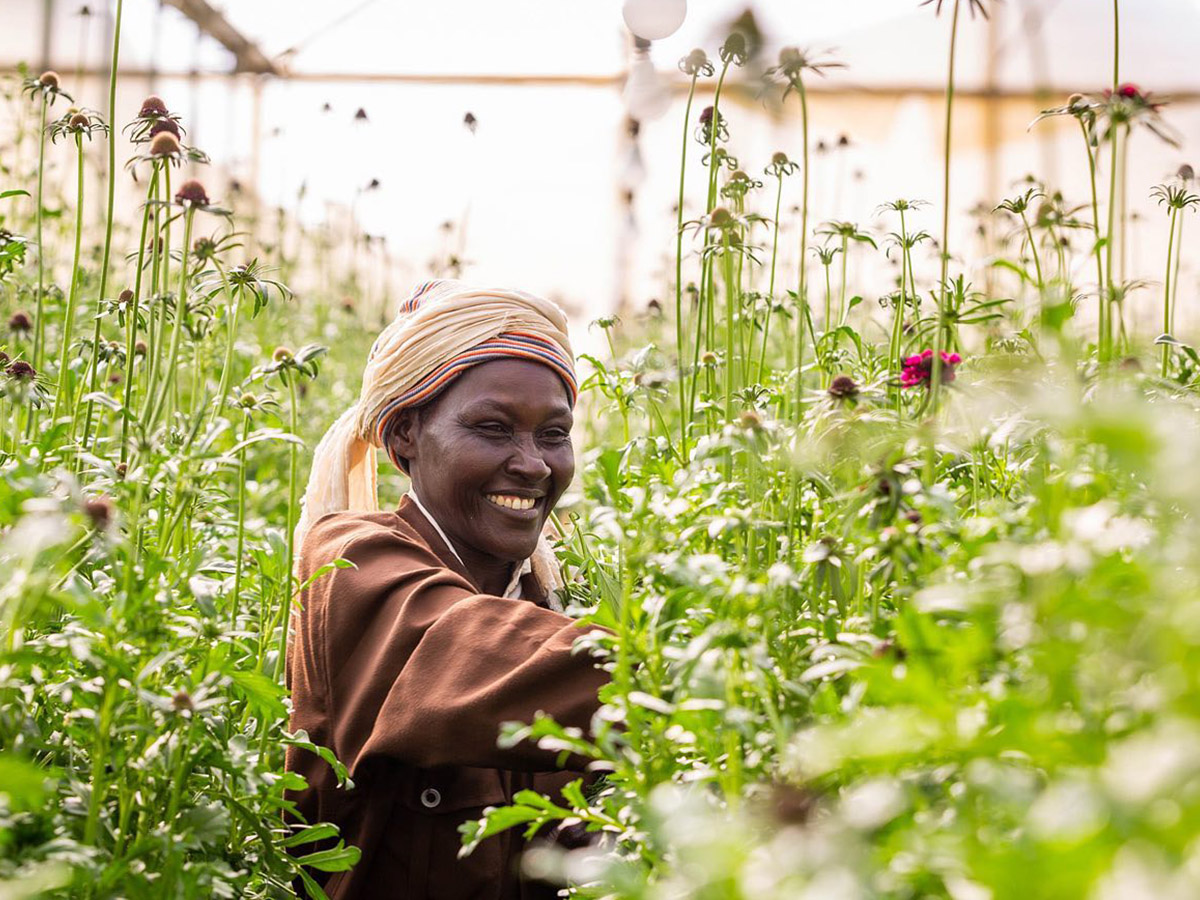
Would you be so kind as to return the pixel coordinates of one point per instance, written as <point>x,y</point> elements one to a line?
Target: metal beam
<point>247,56</point>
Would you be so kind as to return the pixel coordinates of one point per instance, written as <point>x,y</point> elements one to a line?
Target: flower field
<point>901,588</point>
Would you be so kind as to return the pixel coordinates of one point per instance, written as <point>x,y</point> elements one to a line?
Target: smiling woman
<point>446,626</point>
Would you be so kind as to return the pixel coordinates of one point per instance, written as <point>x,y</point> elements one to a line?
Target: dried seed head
<point>843,140</point>
<point>20,322</point>
<point>139,348</point>
<point>99,510</point>
<point>695,62</point>
<point>182,701</point>
<point>708,358</point>
<point>164,144</point>
<point>49,79</point>
<point>192,191</point>
<point>122,468</point>
<point>360,115</point>
<point>750,420</point>
<point>843,387</point>
<point>152,106</point>
<point>21,371</point>
<point>125,296</point>
<point>779,158</point>
<point>168,126</point>
<point>282,354</point>
<point>1186,173</point>
<point>79,120</point>
<point>248,401</point>
<point>721,217</point>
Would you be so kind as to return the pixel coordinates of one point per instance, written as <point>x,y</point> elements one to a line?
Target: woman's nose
<point>526,460</point>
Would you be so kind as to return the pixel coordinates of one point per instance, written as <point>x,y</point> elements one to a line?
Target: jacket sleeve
<point>420,668</point>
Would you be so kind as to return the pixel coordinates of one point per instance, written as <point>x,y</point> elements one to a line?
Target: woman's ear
<point>403,433</point>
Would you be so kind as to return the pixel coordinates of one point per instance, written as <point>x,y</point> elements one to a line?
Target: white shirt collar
<point>513,591</point>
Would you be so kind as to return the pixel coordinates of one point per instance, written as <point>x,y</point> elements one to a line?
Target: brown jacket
<point>404,670</point>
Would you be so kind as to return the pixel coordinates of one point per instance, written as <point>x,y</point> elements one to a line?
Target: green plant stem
<point>680,328</point>
<point>131,315</point>
<point>762,359</point>
<point>1037,265</point>
<point>1168,312</point>
<point>1110,296</point>
<point>180,312</point>
<point>227,367</point>
<point>939,339</point>
<point>802,291</point>
<point>1096,250</point>
<point>293,500</point>
<point>39,333</point>
<point>898,317</point>
<point>1116,44</point>
<point>731,300</point>
<point>108,216</point>
<point>842,311</point>
<point>1178,266</point>
<point>64,384</point>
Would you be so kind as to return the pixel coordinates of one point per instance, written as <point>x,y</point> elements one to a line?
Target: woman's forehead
<point>510,385</point>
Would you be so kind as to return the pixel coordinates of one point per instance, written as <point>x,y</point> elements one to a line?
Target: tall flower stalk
<point>792,64</point>
<point>1177,198</point>
<point>780,166</point>
<point>694,64</point>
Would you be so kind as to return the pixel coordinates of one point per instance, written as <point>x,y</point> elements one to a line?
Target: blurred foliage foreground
<point>886,622</point>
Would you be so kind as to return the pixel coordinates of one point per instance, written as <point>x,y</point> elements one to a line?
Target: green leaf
<point>310,834</point>
<point>261,692</point>
<point>337,859</point>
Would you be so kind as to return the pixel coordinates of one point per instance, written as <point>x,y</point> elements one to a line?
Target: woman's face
<point>490,457</point>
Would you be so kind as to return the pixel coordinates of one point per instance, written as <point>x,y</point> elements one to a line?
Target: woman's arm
<point>416,666</point>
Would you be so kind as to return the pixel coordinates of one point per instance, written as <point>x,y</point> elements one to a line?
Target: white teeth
<point>510,502</point>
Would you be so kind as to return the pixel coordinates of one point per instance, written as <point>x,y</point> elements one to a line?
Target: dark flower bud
<point>360,115</point>
<point>121,469</point>
<point>843,387</point>
<point>99,510</point>
<point>843,140</point>
<point>79,120</point>
<point>114,378</point>
<point>182,701</point>
<point>706,115</point>
<point>192,191</point>
<point>708,358</point>
<point>4,358</point>
<point>49,79</point>
<point>165,126</point>
<point>470,122</point>
<point>164,144</point>
<point>20,322</point>
<point>734,48</point>
<point>21,371</point>
<point>1186,173</point>
<point>125,296</point>
<point>721,217</point>
<point>152,106</point>
<point>282,354</point>
<point>779,158</point>
<point>139,348</point>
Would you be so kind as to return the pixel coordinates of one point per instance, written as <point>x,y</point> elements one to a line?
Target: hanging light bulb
<point>654,19</point>
<point>646,97</point>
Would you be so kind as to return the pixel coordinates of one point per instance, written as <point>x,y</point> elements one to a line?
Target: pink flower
<point>918,369</point>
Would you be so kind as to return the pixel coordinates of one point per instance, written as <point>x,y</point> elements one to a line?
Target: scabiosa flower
<point>21,371</point>
<point>152,106</point>
<point>4,358</point>
<point>696,63</point>
<point>918,369</point>
<point>165,126</point>
<point>164,144</point>
<point>20,322</point>
<point>843,387</point>
<point>192,191</point>
<point>99,510</point>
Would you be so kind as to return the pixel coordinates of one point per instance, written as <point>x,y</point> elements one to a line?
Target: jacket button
<point>430,798</point>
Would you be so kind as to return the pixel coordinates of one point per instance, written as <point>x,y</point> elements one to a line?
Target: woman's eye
<point>556,436</point>
<point>492,429</point>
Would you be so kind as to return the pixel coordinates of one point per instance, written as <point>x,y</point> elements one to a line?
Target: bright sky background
<point>540,184</point>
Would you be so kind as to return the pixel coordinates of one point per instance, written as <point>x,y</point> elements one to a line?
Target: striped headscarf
<point>444,328</point>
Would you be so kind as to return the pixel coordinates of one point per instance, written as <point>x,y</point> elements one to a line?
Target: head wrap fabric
<point>444,328</point>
